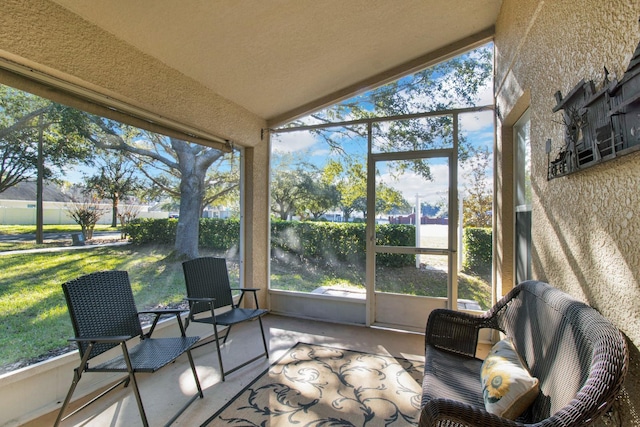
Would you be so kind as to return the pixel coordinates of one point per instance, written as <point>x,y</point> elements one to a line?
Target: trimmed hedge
<point>219,233</point>
<point>331,241</point>
<point>147,230</point>
<point>343,242</point>
<point>214,233</point>
<point>477,243</point>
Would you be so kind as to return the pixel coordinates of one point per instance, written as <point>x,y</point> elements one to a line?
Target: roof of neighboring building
<point>26,190</point>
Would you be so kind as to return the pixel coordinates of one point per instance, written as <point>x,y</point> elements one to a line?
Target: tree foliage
<point>455,83</point>
<point>115,180</point>
<point>86,213</point>
<point>289,183</point>
<point>478,203</point>
<point>350,180</point>
<point>177,167</point>
<point>24,120</point>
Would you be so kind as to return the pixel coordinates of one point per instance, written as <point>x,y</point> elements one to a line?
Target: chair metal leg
<point>194,397</point>
<point>77,374</point>
<point>241,365</point>
<point>264,341</point>
<point>136,391</point>
<point>195,374</point>
<point>215,332</point>
<point>227,334</point>
<point>76,378</point>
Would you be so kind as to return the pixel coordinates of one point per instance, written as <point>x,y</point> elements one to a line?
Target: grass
<point>294,275</point>
<point>21,230</point>
<point>33,313</point>
<point>31,229</point>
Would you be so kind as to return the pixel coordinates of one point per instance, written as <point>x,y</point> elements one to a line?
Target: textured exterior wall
<point>48,38</point>
<point>586,226</point>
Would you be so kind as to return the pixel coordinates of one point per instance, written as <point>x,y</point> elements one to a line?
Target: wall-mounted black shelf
<point>600,125</point>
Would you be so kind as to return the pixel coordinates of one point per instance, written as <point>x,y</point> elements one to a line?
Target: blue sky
<point>478,128</point>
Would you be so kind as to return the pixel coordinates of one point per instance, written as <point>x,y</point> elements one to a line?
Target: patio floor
<point>166,390</point>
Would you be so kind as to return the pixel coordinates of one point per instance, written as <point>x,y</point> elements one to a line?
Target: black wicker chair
<point>104,316</point>
<point>579,357</point>
<point>209,292</point>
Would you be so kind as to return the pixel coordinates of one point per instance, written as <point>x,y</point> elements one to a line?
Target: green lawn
<point>31,229</point>
<point>35,322</point>
<point>32,308</point>
<point>307,276</point>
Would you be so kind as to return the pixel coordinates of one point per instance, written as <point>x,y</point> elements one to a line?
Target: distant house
<point>26,191</point>
<point>18,206</point>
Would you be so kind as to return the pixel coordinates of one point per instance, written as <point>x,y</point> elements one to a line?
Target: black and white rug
<point>315,385</point>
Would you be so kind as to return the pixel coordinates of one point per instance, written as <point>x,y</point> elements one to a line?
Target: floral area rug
<point>314,385</point>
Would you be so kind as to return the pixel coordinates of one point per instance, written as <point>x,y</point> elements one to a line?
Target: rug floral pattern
<point>320,386</point>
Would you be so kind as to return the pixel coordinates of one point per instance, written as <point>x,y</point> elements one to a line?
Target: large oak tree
<point>178,167</point>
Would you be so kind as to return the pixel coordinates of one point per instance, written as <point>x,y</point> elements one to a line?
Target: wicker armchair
<point>578,356</point>
<point>104,316</point>
<point>208,290</point>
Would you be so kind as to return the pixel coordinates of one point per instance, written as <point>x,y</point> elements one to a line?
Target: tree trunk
<point>191,194</point>
<point>40,185</point>
<point>114,215</point>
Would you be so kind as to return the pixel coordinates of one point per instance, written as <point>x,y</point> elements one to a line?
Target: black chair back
<point>207,277</point>
<point>101,304</point>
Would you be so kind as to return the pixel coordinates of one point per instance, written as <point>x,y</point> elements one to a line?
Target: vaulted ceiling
<point>283,58</point>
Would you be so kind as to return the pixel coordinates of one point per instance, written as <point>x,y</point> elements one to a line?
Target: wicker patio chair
<point>209,292</point>
<point>104,316</point>
<point>579,357</point>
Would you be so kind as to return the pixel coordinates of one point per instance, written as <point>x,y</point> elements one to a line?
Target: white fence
<point>20,212</point>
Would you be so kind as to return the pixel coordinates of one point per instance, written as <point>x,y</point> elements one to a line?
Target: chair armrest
<point>116,338</point>
<point>438,412</point>
<point>243,290</point>
<point>164,311</point>
<point>454,331</point>
<point>201,299</point>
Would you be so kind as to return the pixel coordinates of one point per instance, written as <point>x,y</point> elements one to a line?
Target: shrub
<point>331,241</point>
<point>327,240</point>
<point>395,235</point>
<point>86,214</point>
<point>477,250</point>
<point>340,241</point>
<point>218,233</point>
<point>146,230</point>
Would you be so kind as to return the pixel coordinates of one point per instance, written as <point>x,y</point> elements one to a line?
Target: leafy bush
<point>344,242</point>
<point>327,240</point>
<point>340,241</point>
<point>395,235</point>
<point>146,230</point>
<point>220,234</point>
<point>331,241</point>
<point>477,246</point>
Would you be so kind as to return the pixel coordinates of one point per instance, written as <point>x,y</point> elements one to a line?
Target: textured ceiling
<point>277,57</point>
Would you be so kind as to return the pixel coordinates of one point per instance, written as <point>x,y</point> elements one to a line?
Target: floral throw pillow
<point>507,387</point>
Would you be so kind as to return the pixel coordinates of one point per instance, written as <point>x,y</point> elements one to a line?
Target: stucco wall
<point>46,37</point>
<point>586,226</point>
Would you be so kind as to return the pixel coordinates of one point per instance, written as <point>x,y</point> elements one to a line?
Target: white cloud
<point>478,121</point>
<point>411,184</point>
<point>292,142</point>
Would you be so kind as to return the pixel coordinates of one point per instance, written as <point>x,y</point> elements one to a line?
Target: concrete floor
<point>165,391</point>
